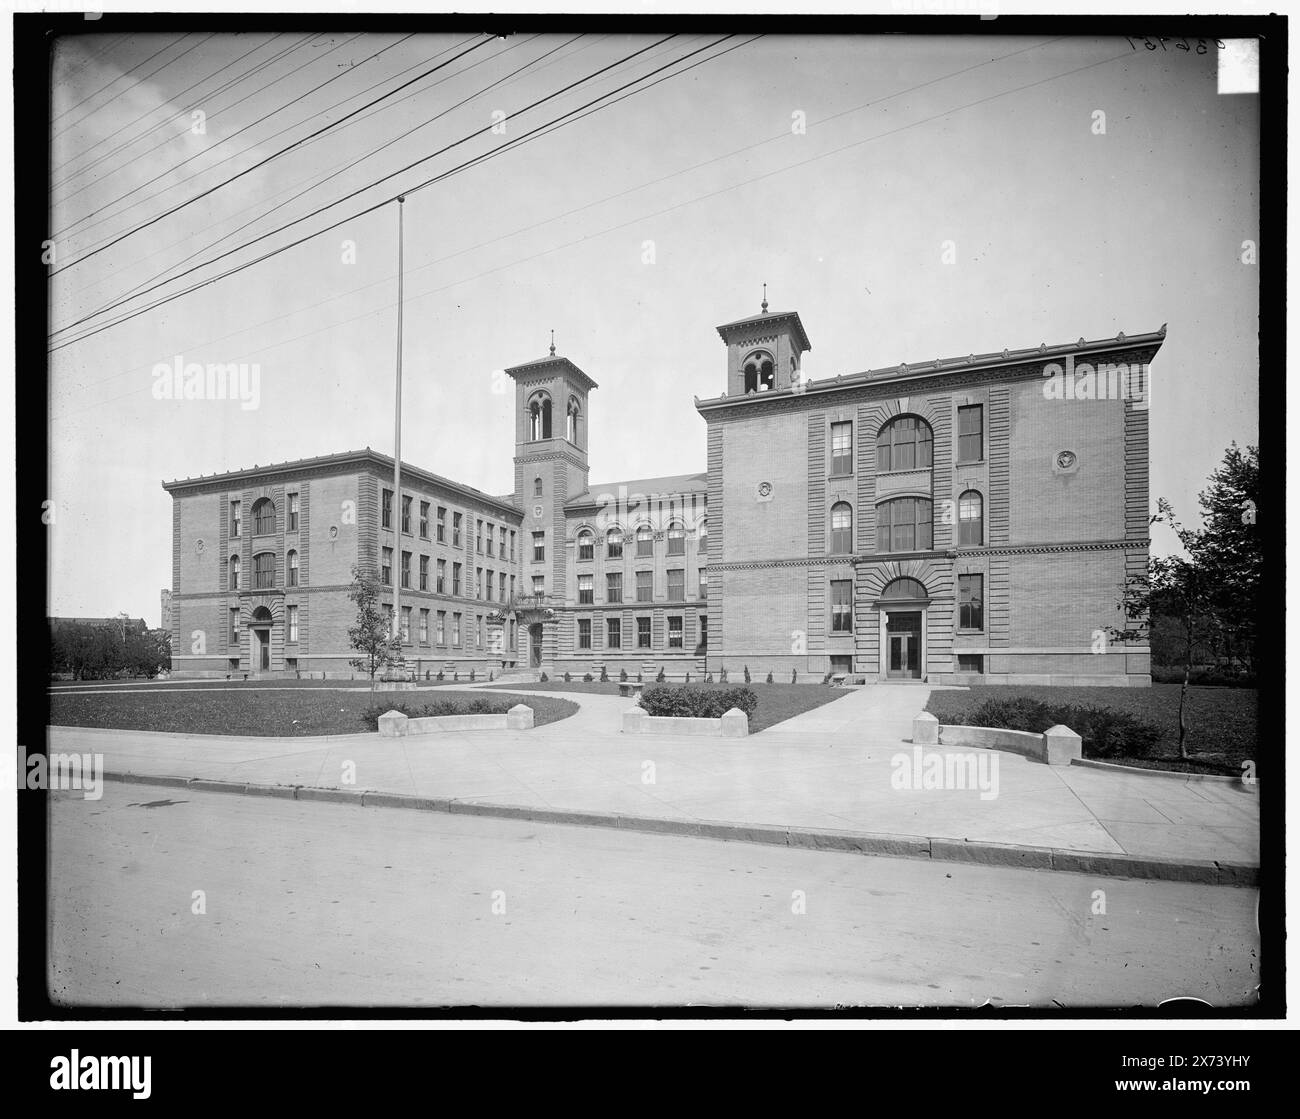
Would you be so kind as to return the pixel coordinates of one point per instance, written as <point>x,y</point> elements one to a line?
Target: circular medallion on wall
<point>764,489</point>
<point>199,545</point>
<point>537,512</point>
<point>334,532</point>
<point>1065,460</point>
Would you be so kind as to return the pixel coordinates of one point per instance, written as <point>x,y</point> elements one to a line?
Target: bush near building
<point>698,703</point>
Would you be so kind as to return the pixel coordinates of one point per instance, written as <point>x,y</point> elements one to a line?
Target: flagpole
<point>397,448</point>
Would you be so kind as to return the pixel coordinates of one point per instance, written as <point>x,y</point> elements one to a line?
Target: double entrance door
<point>903,645</point>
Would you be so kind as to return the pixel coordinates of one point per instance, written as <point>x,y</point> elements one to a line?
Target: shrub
<point>1105,733</point>
<point>722,679</point>
<point>708,679</point>
<point>471,676</point>
<point>456,675</point>
<point>688,675</point>
<point>604,675</point>
<point>769,678</point>
<point>794,676</point>
<point>622,676</point>
<point>567,678</point>
<point>826,679</point>
<point>660,678</point>
<point>587,678</point>
<point>638,677</point>
<point>491,676</point>
<point>440,675</point>
<point>544,677</point>
<point>697,703</point>
<point>746,674</point>
<point>1207,676</point>
<point>435,709</point>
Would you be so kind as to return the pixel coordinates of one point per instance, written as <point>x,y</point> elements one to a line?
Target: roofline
<point>767,316</point>
<point>554,359</point>
<point>944,366</point>
<point>361,458</point>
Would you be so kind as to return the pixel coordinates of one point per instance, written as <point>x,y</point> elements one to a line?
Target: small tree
<point>372,636</point>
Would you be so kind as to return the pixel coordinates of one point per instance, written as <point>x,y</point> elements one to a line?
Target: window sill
<point>973,462</point>
<point>838,477</point>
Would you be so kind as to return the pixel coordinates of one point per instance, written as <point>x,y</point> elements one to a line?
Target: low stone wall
<point>1058,745</point>
<point>734,724</point>
<point>393,724</point>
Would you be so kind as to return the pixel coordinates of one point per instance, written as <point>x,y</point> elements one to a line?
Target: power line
<point>385,178</point>
<point>123,92</point>
<point>609,229</point>
<point>133,69</point>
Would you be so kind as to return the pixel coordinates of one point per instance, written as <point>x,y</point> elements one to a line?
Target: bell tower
<point>764,352</point>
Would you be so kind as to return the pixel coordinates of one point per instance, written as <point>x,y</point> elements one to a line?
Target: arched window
<point>614,543</point>
<point>291,569</point>
<point>905,443</point>
<point>262,616</point>
<point>539,416</point>
<point>760,372</point>
<point>645,541</point>
<point>586,545</point>
<point>970,519</point>
<point>904,525</point>
<point>264,517</point>
<point>841,528</point>
<point>264,571</point>
<point>234,573</point>
<point>676,539</point>
<point>571,420</point>
<point>703,533</point>
<point>905,590</point>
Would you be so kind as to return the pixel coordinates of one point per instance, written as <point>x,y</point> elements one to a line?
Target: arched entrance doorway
<point>260,626</point>
<point>902,605</point>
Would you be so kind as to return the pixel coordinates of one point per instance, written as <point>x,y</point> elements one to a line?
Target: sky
<point>910,197</point>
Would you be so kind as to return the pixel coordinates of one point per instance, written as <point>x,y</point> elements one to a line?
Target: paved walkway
<point>829,768</point>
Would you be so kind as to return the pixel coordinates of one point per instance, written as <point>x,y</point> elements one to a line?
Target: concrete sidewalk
<point>828,769</point>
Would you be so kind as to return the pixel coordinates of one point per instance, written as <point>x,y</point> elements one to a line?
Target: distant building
<point>965,520</point>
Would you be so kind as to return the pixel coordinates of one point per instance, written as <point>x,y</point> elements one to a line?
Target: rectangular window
<point>478,582</point>
<point>387,509</point>
<point>424,573</point>
<point>501,586</point>
<point>441,585</point>
<point>512,545</point>
<point>970,602</point>
<point>491,536</point>
<point>676,584</point>
<point>643,633</point>
<point>291,623</point>
<point>675,633</point>
<point>841,448</point>
<point>512,586</point>
<point>264,570</point>
<point>292,526</point>
<point>479,630</point>
<point>586,590</point>
<point>441,632</point>
<point>236,518</point>
<point>704,634</point>
<point>386,566</point>
<point>478,537</point>
<point>487,585</point>
<point>614,633</point>
<point>841,606</point>
<point>676,541</point>
<point>645,586</point>
<point>424,626</point>
<point>704,582</point>
<point>455,530</point>
<point>442,524</point>
<point>539,546</point>
<point>584,633</point>
<point>388,619</point>
<point>424,520</point>
<point>970,662</point>
<point>970,433</point>
<point>406,569</point>
<point>406,515</point>
<point>613,586</point>
<point>455,630</point>
<point>455,579</point>
<point>234,625</point>
<point>645,543</point>
<point>539,584</point>
<point>614,545</point>
<point>501,547</point>
<point>291,569</point>
<point>586,546</point>
<point>904,525</point>
<point>406,625</point>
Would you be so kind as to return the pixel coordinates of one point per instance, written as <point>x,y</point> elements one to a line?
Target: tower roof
<point>555,365</point>
<point>768,319</point>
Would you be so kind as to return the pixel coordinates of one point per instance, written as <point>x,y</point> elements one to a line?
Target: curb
<point>859,843</point>
<point>1220,778</point>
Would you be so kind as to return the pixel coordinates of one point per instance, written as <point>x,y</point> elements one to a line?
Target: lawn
<point>776,702</point>
<point>261,712</point>
<point>1219,720</point>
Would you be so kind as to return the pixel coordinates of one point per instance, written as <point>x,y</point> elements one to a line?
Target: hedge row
<point>698,703</point>
<point>1105,733</point>
<point>370,716</point>
<point>1202,677</point>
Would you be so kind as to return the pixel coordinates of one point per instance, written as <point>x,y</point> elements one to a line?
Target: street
<point>163,897</point>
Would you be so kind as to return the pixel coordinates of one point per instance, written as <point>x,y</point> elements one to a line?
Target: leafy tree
<point>1206,599</point>
<point>372,636</point>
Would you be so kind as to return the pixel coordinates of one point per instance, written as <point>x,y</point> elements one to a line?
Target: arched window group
<point>572,415</point>
<point>264,517</point>
<point>645,541</point>
<point>539,416</point>
<point>760,372</point>
<point>586,544</point>
<point>841,528</point>
<point>614,543</point>
<point>904,524</point>
<point>676,539</point>
<point>234,573</point>
<point>905,443</point>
